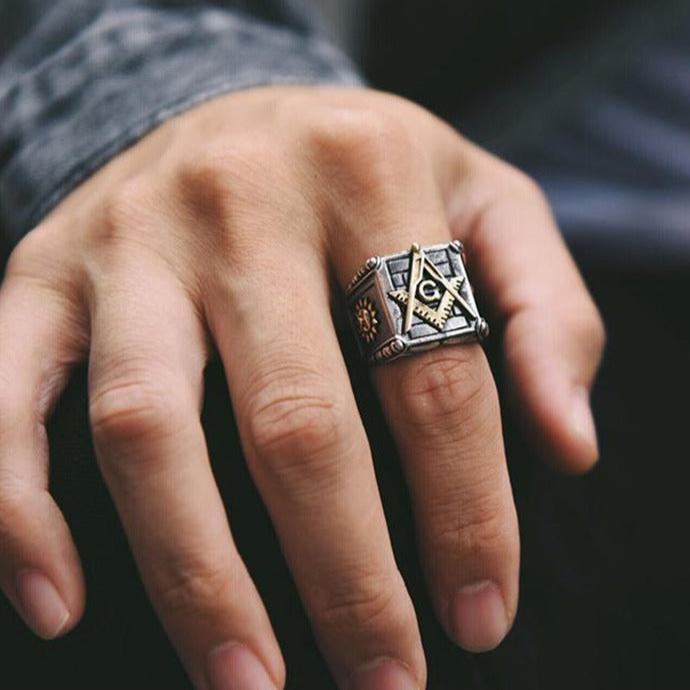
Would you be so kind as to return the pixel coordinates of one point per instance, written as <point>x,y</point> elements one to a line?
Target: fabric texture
<point>80,80</point>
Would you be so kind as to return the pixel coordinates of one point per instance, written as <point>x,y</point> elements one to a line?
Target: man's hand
<point>224,228</point>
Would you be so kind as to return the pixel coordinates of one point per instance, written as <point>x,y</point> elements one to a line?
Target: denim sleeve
<point>80,80</point>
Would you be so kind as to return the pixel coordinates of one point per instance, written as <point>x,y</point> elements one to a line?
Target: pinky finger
<point>554,335</point>
<point>40,570</point>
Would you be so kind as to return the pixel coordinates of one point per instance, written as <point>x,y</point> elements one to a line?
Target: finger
<point>309,457</point>
<point>40,571</point>
<point>146,365</point>
<point>442,407</point>
<point>554,336</point>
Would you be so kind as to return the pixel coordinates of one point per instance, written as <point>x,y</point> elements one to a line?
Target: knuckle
<point>39,267</point>
<point>126,203</point>
<point>481,527</point>
<point>524,186</point>
<point>368,604</point>
<point>134,409</point>
<point>442,386</point>
<point>125,214</point>
<point>294,426</point>
<point>346,127</point>
<point>34,257</point>
<point>231,188</point>
<point>360,147</point>
<point>27,252</point>
<point>198,585</point>
<point>299,425</point>
<point>221,175</point>
<point>204,175</point>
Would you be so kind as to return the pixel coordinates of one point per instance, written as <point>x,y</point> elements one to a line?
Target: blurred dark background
<point>448,55</point>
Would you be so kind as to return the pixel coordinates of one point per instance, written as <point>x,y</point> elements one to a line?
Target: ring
<point>413,301</point>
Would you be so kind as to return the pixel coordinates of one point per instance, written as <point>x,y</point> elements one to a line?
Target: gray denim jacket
<point>80,80</point>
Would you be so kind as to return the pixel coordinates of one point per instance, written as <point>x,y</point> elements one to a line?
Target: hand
<point>225,226</point>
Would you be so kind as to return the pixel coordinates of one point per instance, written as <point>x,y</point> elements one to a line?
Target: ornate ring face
<point>413,301</point>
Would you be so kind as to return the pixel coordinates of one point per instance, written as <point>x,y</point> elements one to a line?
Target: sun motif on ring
<point>367,319</point>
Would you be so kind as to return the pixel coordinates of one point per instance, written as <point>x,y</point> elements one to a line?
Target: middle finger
<point>309,456</point>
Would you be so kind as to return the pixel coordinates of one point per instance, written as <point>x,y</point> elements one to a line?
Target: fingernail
<point>478,617</point>
<point>382,674</point>
<point>232,666</point>
<point>42,608</point>
<point>583,422</point>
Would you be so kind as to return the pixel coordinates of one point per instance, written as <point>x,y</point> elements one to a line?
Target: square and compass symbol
<point>413,301</point>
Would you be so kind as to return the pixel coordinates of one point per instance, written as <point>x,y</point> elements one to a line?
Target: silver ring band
<point>413,301</point>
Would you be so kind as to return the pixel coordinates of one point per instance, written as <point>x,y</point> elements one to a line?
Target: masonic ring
<point>413,301</point>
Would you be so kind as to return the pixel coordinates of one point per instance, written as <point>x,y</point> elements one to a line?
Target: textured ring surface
<point>413,301</point>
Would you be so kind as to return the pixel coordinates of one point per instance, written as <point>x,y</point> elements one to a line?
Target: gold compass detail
<point>422,291</point>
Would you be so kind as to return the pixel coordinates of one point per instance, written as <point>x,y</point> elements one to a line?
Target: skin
<point>224,228</point>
